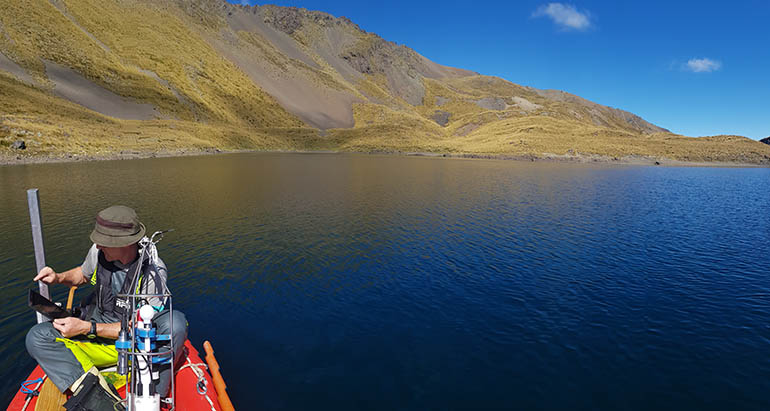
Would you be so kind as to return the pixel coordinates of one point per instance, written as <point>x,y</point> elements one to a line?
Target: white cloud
<point>703,65</point>
<point>565,15</point>
<point>245,2</point>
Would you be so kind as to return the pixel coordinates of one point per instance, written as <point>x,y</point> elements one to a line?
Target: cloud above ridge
<point>704,65</point>
<point>565,15</point>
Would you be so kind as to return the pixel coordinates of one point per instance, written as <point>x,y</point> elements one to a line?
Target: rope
<point>32,394</point>
<point>197,368</point>
<point>25,390</point>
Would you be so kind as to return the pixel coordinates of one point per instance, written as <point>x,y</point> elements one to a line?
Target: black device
<point>92,334</point>
<point>46,307</point>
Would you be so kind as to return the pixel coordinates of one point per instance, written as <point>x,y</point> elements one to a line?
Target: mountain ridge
<point>144,75</point>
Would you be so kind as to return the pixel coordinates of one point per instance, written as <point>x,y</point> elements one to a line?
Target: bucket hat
<point>117,226</point>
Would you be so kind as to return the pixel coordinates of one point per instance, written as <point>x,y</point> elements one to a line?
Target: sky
<point>696,68</point>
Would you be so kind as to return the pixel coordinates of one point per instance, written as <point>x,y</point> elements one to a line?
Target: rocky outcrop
<point>359,62</point>
<point>403,68</point>
<point>286,20</point>
<point>291,19</point>
<point>492,103</point>
<point>525,104</point>
<point>441,117</point>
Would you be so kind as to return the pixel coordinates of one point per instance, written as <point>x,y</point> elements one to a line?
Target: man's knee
<point>40,337</point>
<point>180,326</point>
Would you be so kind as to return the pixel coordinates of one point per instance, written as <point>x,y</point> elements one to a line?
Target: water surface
<point>367,282</point>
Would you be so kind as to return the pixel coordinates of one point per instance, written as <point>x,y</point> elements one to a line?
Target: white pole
<point>33,200</point>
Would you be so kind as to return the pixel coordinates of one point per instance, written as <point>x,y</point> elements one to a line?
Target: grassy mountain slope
<point>205,74</point>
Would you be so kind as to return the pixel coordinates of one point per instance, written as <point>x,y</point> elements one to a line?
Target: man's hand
<point>46,275</point>
<point>73,277</point>
<point>71,326</point>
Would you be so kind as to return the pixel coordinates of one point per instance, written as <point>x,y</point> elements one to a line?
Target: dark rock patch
<point>765,140</point>
<point>359,62</point>
<point>491,103</point>
<point>402,67</point>
<point>287,20</point>
<point>19,145</point>
<point>441,117</point>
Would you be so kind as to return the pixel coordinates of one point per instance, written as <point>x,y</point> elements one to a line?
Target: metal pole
<point>33,200</point>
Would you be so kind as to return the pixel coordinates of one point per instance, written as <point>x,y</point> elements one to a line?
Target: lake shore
<point>7,159</point>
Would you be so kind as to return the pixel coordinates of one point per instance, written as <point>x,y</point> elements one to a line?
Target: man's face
<point>118,253</point>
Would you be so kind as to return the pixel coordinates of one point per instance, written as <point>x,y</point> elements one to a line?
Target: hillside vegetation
<point>95,78</point>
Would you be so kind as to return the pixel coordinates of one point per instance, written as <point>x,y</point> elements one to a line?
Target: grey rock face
<point>287,20</point>
<point>491,103</point>
<point>19,145</point>
<point>358,62</point>
<point>403,68</point>
<point>441,117</point>
<point>525,104</point>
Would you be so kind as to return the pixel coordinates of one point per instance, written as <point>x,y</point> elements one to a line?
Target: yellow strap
<point>93,276</point>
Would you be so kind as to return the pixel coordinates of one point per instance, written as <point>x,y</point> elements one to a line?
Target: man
<point>68,348</point>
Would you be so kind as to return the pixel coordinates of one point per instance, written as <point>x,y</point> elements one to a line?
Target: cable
<point>115,404</point>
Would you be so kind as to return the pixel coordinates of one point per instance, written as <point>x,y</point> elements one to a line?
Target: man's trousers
<point>64,360</point>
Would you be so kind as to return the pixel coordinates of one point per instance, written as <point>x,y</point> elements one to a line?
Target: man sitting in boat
<point>68,348</point>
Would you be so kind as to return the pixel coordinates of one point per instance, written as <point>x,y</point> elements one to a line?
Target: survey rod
<point>33,201</point>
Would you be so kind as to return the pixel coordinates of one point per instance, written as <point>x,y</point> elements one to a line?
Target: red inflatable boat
<point>195,388</point>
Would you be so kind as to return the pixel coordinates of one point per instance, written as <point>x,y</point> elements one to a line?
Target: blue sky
<point>695,67</point>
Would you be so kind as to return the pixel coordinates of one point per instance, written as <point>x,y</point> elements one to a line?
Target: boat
<point>195,388</point>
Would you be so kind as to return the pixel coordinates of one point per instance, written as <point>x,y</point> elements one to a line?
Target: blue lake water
<point>330,281</point>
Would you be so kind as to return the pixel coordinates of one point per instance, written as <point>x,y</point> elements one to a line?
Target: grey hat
<point>117,226</point>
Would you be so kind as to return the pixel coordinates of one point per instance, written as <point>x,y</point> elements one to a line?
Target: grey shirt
<point>92,260</point>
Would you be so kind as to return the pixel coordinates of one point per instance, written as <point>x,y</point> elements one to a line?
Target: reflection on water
<point>347,281</point>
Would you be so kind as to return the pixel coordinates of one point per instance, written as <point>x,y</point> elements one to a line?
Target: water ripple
<point>343,281</point>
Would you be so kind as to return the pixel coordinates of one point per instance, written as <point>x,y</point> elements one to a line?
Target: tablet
<point>46,307</point>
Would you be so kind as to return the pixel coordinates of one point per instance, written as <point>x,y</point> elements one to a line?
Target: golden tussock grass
<point>119,44</point>
<point>138,36</point>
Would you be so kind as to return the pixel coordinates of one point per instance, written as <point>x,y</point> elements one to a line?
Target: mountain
<point>95,78</point>
<point>765,140</point>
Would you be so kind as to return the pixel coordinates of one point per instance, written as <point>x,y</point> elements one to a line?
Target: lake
<point>341,281</point>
